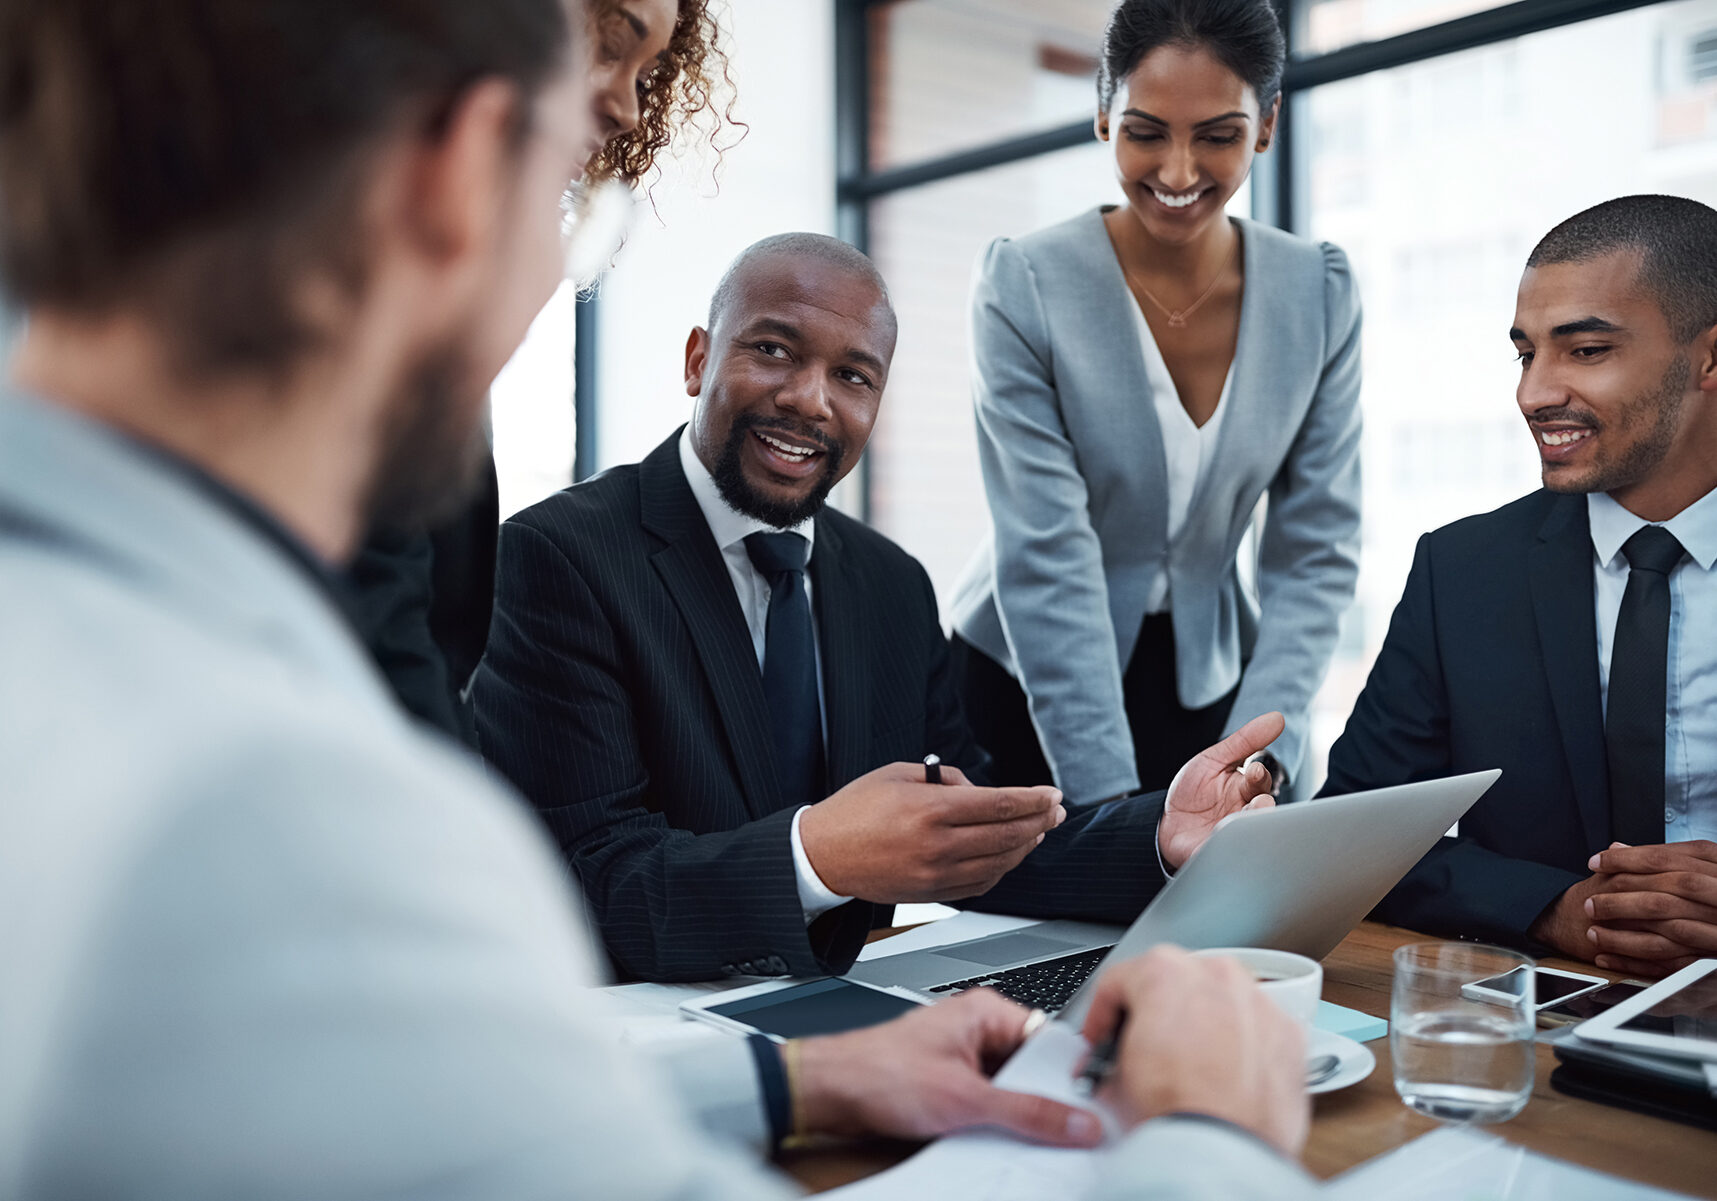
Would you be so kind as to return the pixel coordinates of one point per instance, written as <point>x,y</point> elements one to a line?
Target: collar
<point>727,523</point>
<point>1695,527</point>
<point>253,516</point>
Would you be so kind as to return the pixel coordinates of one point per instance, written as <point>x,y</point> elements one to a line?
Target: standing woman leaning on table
<point>1144,374</point>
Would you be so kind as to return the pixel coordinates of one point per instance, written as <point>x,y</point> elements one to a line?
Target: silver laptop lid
<point>1298,877</point>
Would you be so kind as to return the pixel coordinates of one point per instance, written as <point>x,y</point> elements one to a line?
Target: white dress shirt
<point>1187,448</point>
<point>731,528</point>
<point>1690,736</point>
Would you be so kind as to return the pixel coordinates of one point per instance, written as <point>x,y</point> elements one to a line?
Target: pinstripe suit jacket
<point>621,693</point>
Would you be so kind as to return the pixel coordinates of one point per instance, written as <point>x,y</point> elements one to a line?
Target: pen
<point>1099,1065</point>
<point>932,769</point>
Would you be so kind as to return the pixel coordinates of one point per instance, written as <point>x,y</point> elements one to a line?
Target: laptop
<point>1296,878</point>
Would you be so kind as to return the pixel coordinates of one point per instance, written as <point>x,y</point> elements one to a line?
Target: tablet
<point>802,1010</point>
<point>1676,1016</point>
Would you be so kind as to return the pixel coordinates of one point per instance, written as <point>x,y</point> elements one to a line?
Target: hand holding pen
<point>1196,1036</point>
<point>888,838</point>
<point>932,769</point>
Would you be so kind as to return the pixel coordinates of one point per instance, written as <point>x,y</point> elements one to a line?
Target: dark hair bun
<point>1244,35</point>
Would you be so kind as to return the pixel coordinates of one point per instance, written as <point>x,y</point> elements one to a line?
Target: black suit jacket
<point>621,694</point>
<point>421,601</point>
<point>1492,661</point>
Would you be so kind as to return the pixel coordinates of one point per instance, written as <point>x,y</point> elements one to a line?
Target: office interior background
<point>1434,140</point>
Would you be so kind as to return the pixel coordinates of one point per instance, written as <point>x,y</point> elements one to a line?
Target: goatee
<point>737,491</point>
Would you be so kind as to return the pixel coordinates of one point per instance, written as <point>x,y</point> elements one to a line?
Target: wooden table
<point>1357,1123</point>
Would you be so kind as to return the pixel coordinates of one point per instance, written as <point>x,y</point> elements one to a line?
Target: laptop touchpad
<point>1008,949</point>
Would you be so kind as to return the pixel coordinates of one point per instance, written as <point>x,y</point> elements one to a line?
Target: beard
<point>432,448</point>
<point>736,490</point>
<point>1654,416</point>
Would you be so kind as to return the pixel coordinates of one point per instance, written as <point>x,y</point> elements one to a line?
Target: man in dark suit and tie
<point>718,693</point>
<point>1570,638</point>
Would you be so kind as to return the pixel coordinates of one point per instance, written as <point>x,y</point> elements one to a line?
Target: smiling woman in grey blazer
<point>1145,374</point>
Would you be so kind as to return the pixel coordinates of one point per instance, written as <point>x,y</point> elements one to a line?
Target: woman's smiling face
<point>1185,130</point>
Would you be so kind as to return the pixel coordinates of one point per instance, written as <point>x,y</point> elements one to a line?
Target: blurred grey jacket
<point>265,939</point>
<point>1073,466</point>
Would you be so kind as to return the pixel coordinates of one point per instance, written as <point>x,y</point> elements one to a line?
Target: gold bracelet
<point>797,1136</point>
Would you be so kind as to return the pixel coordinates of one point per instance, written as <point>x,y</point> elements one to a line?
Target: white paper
<point>649,1014</point>
<point>959,928</point>
<point>663,1000</point>
<point>991,1166</point>
<point>916,913</point>
<point>1458,1165</point>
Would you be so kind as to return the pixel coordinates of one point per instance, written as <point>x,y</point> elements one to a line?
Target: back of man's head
<point>1676,239</point>
<point>191,158</point>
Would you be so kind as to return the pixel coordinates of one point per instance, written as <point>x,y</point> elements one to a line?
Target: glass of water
<point>1462,1054</point>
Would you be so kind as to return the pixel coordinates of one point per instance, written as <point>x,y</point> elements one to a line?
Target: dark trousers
<point>1165,735</point>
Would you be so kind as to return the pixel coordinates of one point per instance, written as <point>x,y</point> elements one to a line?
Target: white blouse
<point>1187,448</point>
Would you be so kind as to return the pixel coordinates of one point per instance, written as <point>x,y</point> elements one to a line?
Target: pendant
<point>1177,320</point>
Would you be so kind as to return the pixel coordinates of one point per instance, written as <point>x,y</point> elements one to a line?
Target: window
<point>947,75</point>
<point>531,410</point>
<point>1327,25</point>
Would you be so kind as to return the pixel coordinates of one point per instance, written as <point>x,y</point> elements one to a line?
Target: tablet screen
<point>1689,1013</point>
<point>821,1007</point>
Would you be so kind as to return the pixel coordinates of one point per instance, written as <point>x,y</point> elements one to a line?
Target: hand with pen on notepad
<point>928,1074</point>
<point>1196,1037</point>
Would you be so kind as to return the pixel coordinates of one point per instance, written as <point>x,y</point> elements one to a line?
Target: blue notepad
<point>1360,1027</point>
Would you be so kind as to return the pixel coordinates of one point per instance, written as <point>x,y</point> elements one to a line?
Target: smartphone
<point>1551,986</point>
<point>1589,1005</point>
<point>779,1013</point>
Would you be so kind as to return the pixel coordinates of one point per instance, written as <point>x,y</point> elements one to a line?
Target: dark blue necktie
<point>1636,707</point>
<point>790,665</point>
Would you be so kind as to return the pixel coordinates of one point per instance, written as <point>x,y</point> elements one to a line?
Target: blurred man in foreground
<point>263,938</point>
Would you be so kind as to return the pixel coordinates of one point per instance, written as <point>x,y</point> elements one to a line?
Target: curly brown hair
<point>690,92</point>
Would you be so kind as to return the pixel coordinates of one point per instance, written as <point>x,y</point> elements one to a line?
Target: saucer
<point>1356,1061</point>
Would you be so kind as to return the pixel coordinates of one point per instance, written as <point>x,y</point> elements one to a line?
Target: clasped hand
<point>1653,909</point>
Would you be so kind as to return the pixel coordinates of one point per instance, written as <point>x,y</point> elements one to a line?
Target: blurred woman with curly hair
<point>661,77</point>
<point>422,602</point>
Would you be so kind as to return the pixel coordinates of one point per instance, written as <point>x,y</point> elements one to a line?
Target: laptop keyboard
<point>1047,986</point>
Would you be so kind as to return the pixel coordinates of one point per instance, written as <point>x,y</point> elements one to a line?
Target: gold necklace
<point>1177,317</point>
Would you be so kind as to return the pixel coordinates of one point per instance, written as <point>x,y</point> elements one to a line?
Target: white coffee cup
<point>1292,981</point>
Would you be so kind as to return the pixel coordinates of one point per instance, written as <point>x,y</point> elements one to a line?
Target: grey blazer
<point>264,938</point>
<point>1072,457</point>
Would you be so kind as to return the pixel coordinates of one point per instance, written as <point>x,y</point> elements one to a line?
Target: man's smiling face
<point>789,379</point>
<point>1603,381</point>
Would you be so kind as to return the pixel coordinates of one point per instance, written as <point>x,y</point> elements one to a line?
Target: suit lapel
<point>846,659</point>
<point>692,570</point>
<point>1560,571</point>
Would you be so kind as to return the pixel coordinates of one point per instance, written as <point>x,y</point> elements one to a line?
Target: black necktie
<point>1637,705</point>
<point>790,665</point>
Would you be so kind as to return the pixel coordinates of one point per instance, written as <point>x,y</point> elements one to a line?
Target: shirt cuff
<point>1157,843</point>
<point>814,896</point>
